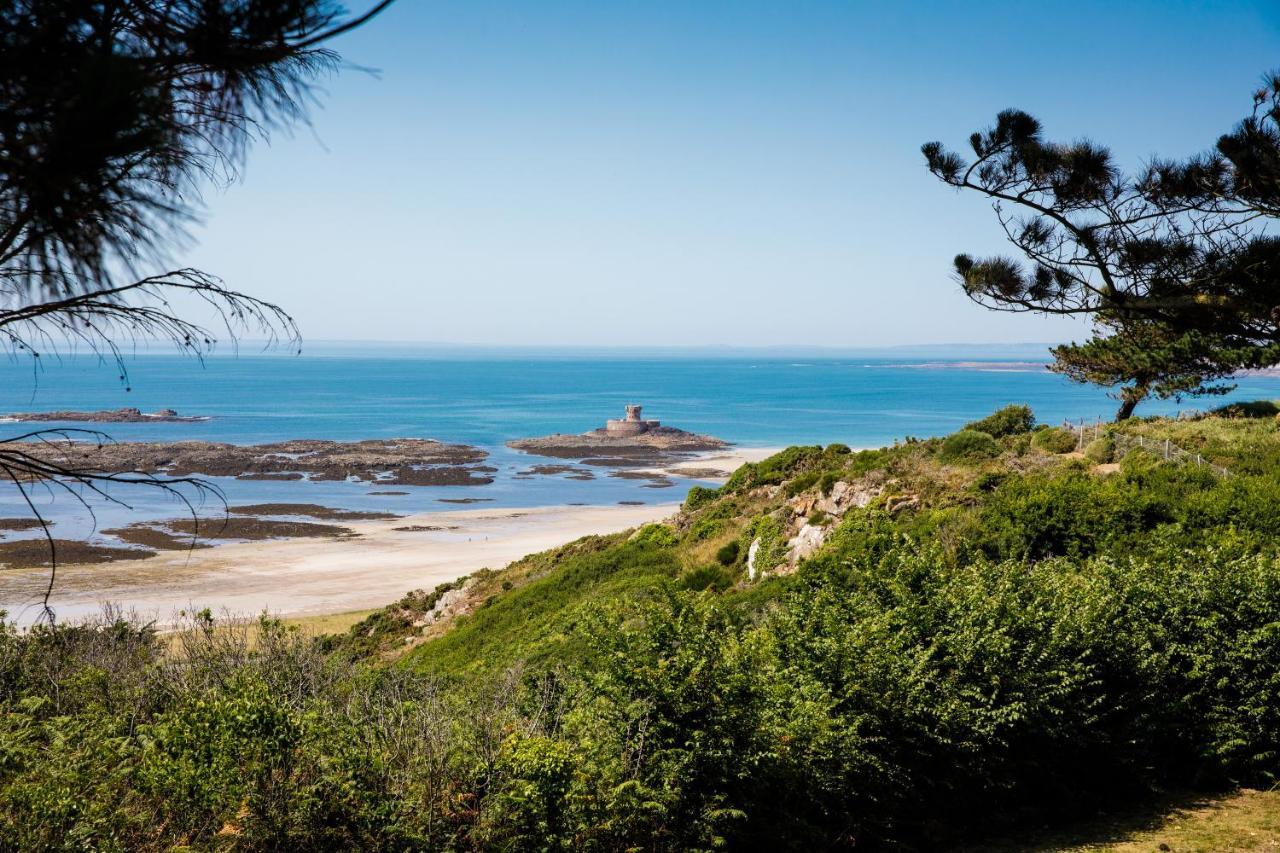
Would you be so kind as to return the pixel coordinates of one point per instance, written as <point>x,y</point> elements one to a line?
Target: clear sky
<point>683,173</point>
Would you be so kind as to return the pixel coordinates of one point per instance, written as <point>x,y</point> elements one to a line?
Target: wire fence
<point>1160,448</point>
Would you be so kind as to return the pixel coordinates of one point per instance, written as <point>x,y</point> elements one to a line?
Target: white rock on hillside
<point>806,542</point>
<point>751,558</point>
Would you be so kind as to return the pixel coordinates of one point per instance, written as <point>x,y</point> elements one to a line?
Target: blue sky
<point>669,173</point>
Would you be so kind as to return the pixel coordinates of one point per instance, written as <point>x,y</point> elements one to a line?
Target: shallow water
<point>487,401</point>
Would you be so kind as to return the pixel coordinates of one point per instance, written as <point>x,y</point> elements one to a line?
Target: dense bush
<point>968,445</point>
<point>866,460</point>
<point>775,469</point>
<point>802,483</point>
<point>1054,440</point>
<point>1011,420</point>
<point>706,577</point>
<point>891,695</point>
<point>1101,450</point>
<point>655,534</point>
<point>699,496</point>
<point>1250,409</point>
<point>769,533</point>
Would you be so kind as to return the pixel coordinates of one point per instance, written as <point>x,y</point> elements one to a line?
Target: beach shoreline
<point>308,577</point>
<point>312,577</point>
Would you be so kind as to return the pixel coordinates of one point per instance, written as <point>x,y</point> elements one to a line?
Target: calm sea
<point>486,401</point>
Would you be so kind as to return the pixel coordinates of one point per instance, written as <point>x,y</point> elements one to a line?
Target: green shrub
<point>968,445</point>
<point>655,534</point>
<point>988,481</point>
<point>706,528</point>
<point>773,542</point>
<point>1011,420</point>
<point>699,496</point>
<point>727,554</point>
<point>1101,450</point>
<point>706,577</point>
<point>1250,409</point>
<point>865,461</point>
<point>774,469</point>
<point>1054,440</point>
<point>801,484</point>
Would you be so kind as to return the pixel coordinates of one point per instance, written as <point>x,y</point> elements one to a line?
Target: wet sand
<point>713,465</point>
<point>374,563</point>
<point>294,577</point>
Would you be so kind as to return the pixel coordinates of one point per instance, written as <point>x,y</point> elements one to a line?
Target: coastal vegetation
<point>1001,633</point>
<point>905,648</point>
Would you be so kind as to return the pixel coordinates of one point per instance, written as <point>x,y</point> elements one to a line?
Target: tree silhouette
<point>113,116</point>
<point>1173,263</point>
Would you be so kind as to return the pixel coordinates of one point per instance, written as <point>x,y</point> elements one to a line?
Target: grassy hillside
<point>911,648</point>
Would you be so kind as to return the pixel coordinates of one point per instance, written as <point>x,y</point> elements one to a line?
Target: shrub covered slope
<point>908,647</point>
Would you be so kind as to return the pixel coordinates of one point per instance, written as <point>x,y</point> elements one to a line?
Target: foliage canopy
<point>1174,263</point>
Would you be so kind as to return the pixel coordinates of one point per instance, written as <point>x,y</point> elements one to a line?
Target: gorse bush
<point>1101,450</point>
<point>1250,409</point>
<point>1011,420</point>
<point>968,446</point>
<point>777,468</point>
<point>699,496</point>
<point>1054,440</point>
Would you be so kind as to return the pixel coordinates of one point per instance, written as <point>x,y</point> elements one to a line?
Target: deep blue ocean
<point>486,401</point>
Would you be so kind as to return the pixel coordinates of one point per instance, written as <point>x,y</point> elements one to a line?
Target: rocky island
<point>397,461</point>
<point>623,442</point>
<point>112,416</point>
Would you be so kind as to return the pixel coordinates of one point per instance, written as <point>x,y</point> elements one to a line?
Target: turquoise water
<point>487,401</point>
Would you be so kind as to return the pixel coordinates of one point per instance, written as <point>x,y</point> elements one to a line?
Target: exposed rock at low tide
<point>659,445</point>
<point>324,513</point>
<point>698,473</point>
<point>571,472</point>
<point>186,533</point>
<point>112,416</point>
<point>32,553</point>
<point>386,462</point>
<point>156,537</point>
<point>655,481</point>
<point>24,523</point>
<point>257,528</point>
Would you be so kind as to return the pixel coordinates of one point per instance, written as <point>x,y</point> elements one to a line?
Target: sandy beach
<point>726,461</point>
<point>303,577</point>
<point>291,577</point>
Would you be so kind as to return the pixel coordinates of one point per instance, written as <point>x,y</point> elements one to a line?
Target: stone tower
<point>632,424</point>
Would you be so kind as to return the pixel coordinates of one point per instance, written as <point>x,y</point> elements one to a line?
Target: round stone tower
<point>632,424</point>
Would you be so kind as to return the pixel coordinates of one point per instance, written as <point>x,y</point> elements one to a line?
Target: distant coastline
<point>989,366</point>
